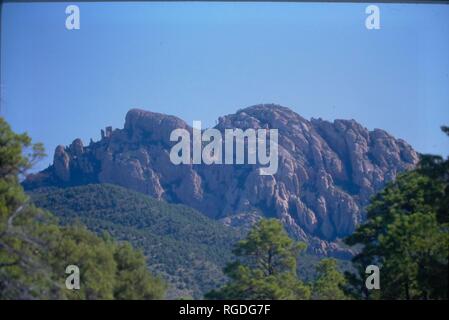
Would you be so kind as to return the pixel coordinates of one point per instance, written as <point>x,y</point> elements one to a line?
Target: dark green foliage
<point>17,244</point>
<point>329,281</point>
<point>266,266</point>
<point>133,279</point>
<point>406,235</point>
<point>109,270</point>
<point>181,244</point>
<point>35,251</point>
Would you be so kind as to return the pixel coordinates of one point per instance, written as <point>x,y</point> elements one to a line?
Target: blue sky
<point>199,61</point>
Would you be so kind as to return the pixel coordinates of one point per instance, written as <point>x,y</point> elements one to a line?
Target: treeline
<point>35,250</point>
<point>406,235</point>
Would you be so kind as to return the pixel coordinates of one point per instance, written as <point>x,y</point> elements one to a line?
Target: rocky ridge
<point>327,171</point>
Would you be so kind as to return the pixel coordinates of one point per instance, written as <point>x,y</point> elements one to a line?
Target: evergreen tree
<point>19,266</point>
<point>329,281</point>
<point>406,235</point>
<point>35,250</point>
<point>266,266</point>
<point>133,281</point>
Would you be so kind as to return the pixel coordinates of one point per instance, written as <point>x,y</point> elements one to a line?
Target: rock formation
<point>327,171</point>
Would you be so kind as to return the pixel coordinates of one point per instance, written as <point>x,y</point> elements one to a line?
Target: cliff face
<point>327,171</point>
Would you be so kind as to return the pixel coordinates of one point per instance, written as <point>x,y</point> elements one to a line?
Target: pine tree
<point>35,250</point>
<point>406,235</point>
<point>329,281</point>
<point>266,266</point>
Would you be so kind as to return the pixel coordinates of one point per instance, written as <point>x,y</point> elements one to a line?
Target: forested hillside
<point>181,244</point>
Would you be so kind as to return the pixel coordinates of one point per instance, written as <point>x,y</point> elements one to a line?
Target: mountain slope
<point>180,243</point>
<point>327,171</point>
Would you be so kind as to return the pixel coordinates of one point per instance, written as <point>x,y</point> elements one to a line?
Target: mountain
<point>327,171</point>
<point>181,244</point>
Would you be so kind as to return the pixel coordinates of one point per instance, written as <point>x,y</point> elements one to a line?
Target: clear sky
<point>199,61</point>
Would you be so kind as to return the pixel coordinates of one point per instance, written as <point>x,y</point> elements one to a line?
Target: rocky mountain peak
<point>261,116</point>
<point>153,126</point>
<point>327,171</point>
